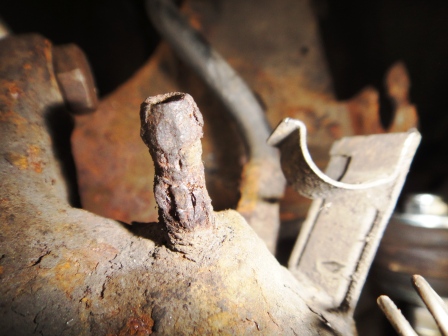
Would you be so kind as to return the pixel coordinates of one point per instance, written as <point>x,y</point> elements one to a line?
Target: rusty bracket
<point>354,199</point>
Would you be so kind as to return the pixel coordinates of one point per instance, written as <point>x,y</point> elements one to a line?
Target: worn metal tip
<point>395,317</point>
<point>284,129</point>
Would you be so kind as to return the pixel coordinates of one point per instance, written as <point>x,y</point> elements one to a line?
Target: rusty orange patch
<point>31,160</point>
<point>76,265</point>
<point>14,90</point>
<point>140,325</point>
<point>11,117</point>
<point>34,158</point>
<point>18,160</point>
<point>4,201</point>
<point>67,276</point>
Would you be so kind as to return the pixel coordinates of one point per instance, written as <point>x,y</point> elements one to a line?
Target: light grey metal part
<point>425,204</point>
<point>353,202</point>
<point>395,317</point>
<point>433,302</point>
<point>424,210</point>
<point>424,221</point>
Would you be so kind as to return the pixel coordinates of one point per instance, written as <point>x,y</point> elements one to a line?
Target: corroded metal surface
<point>172,130</point>
<point>50,257</point>
<point>67,271</point>
<point>75,78</point>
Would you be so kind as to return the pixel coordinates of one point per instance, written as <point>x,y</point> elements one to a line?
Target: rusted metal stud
<point>262,183</point>
<point>171,126</point>
<point>75,78</point>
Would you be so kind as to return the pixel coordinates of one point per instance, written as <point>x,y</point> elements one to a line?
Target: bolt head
<point>75,78</point>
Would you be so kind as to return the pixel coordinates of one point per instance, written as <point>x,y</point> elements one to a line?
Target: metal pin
<point>171,126</point>
<point>433,302</point>
<point>395,317</point>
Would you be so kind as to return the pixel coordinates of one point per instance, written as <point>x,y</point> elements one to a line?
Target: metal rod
<point>171,127</point>
<point>395,317</point>
<point>433,302</point>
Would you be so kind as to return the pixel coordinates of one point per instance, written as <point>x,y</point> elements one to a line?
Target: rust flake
<point>32,159</point>
<point>73,269</point>
<point>17,160</point>
<point>11,117</point>
<point>5,201</point>
<point>14,90</point>
<point>67,276</point>
<point>138,325</point>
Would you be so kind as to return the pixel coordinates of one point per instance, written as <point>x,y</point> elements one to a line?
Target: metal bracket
<point>353,202</point>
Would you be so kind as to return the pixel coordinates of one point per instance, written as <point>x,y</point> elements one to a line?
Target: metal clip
<point>353,202</point>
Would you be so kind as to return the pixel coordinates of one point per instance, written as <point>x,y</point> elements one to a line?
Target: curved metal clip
<point>354,200</point>
<point>310,181</point>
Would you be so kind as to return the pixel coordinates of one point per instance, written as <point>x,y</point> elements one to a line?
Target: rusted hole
<point>174,97</point>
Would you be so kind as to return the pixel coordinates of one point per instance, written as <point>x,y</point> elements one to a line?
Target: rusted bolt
<point>171,126</point>
<point>75,78</point>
